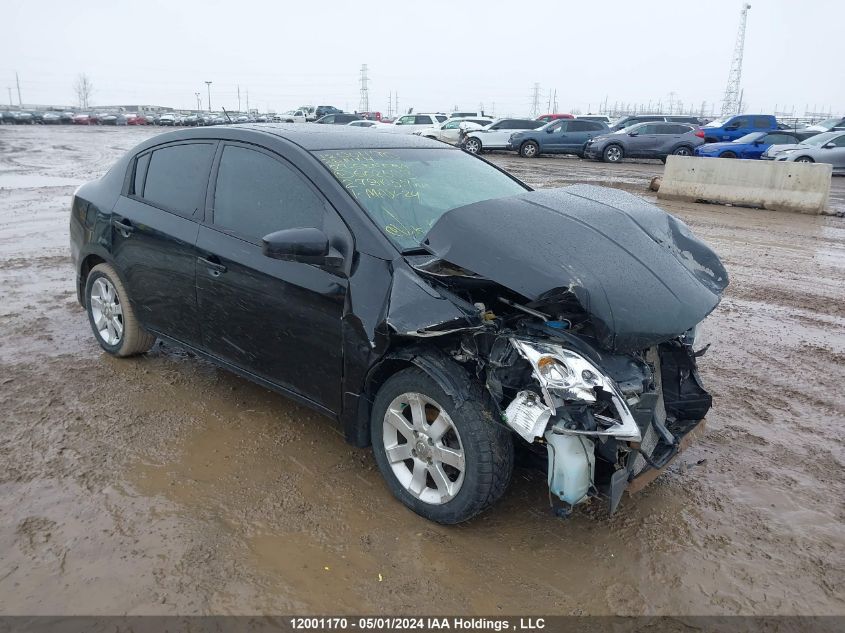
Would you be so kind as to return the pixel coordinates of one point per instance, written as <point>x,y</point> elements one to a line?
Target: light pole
<point>208,83</point>
<point>199,102</point>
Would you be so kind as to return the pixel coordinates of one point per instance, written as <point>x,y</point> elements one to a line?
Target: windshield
<point>716,123</point>
<point>750,138</point>
<point>405,191</point>
<point>826,124</point>
<point>820,139</point>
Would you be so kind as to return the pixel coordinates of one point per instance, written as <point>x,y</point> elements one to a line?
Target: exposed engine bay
<point>584,342</point>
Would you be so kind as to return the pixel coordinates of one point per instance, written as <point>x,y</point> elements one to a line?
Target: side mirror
<point>549,131</point>
<point>633,133</point>
<point>830,145</point>
<point>306,245</point>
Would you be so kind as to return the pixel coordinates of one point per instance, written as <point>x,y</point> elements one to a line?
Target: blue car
<point>749,146</point>
<point>734,127</point>
<point>564,136</point>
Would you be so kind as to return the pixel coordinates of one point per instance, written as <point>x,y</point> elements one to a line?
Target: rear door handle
<point>214,267</point>
<point>124,226</point>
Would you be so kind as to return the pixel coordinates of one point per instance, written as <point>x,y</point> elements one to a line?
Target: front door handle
<point>214,267</point>
<point>124,227</point>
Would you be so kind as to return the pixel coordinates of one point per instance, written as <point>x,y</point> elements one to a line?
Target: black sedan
<point>434,305</point>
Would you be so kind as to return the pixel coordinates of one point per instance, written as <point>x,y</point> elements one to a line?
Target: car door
<point>553,138</point>
<point>154,234</point>
<point>278,320</point>
<point>640,142</point>
<point>834,155</point>
<point>755,150</point>
<point>577,135</point>
<point>450,132</point>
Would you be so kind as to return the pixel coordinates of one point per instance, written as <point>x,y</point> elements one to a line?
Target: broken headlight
<point>566,376</point>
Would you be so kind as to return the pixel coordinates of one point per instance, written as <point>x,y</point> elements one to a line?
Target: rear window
<point>177,177</point>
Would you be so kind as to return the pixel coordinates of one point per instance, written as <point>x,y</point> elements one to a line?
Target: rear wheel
<point>444,462</point>
<point>804,159</point>
<point>111,316</point>
<point>473,145</point>
<point>529,149</point>
<point>612,154</point>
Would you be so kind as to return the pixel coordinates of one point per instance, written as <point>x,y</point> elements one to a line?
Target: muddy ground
<point>162,485</point>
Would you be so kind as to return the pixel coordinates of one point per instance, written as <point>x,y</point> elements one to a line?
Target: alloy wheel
<point>423,448</point>
<point>473,146</point>
<point>613,154</point>
<point>107,311</point>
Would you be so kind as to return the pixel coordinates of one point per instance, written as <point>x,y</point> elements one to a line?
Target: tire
<point>103,282</point>
<point>484,447</point>
<point>727,155</point>
<point>473,145</point>
<point>804,159</point>
<point>529,149</point>
<point>683,150</point>
<point>613,153</point>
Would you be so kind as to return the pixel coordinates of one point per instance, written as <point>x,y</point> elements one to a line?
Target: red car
<point>81,119</point>
<point>553,117</point>
<point>133,118</point>
<point>370,116</point>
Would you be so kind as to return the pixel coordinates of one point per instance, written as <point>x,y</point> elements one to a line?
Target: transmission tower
<point>535,101</point>
<point>364,105</point>
<point>731,102</point>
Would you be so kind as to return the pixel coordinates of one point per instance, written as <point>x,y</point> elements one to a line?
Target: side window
<point>329,118</point>
<point>595,126</point>
<point>256,194</point>
<point>579,126</point>
<point>840,141</point>
<point>778,139</point>
<point>440,118</point>
<point>177,177</point>
<point>422,119</point>
<point>141,164</point>
<point>451,125</point>
<point>762,122</point>
<point>408,119</point>
<point>740,122</point>
<point>646,129</point>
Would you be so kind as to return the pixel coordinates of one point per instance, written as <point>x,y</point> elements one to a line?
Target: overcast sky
<point>435,55</point>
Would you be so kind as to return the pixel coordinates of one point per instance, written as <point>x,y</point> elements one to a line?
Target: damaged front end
<point>576,308</point>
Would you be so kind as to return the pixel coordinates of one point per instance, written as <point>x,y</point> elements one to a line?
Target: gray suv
<point>645,140</point>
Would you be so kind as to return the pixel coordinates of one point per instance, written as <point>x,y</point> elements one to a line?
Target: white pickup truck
<point>410,123</point>
<point>292,116</point>
<point>497,134</point>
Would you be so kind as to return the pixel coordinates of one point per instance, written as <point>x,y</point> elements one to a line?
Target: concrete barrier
<point>777,185</point>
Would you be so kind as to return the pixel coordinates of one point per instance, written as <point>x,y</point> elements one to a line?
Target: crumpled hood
<point>638,272</point>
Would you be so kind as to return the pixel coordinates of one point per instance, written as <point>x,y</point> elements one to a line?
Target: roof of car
<point>312,137</point>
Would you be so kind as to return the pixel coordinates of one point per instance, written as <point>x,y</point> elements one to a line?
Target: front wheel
<point>612,154</point>
<point>473,145</point>
<point>529,149</point>
<point>111,316</point>
<point>727,155</point>
<point>683,150</point>
<point>804,159</point>
<point>444,462</point>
